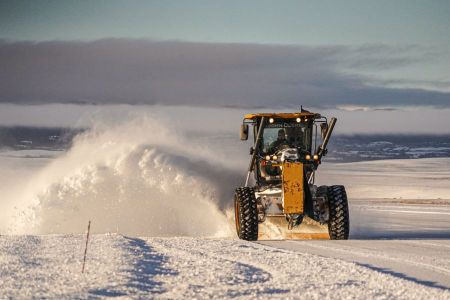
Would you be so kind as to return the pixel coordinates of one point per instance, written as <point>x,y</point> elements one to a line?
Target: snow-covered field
<point>187,268</point>
<point>427,178</point>
<point>160,211</point>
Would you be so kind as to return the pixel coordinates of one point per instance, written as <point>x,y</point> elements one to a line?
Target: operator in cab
<point>280,143</point>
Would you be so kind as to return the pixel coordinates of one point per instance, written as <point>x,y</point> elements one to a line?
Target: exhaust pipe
<point>323,148</point>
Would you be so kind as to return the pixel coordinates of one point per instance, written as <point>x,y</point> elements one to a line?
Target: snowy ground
<point>186,268</point>
<point>407,239</point>
<point>405,256</point>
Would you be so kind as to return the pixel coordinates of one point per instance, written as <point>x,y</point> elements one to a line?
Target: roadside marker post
<point>85,249</point>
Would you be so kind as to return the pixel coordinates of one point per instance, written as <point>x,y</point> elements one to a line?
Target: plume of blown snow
<point>138,177</point>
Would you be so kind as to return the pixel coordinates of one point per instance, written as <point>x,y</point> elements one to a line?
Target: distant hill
<point>342,148</point>
<point>37,138</point>
<point>372,147</point>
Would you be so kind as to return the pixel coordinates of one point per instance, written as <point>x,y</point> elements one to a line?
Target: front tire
<point>339,223</point>
<point>246,214</point>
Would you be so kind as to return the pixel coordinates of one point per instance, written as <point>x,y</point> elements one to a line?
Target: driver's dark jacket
<point>276,145</point>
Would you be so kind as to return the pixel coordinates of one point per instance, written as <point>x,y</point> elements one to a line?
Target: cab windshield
<point>276,137</point>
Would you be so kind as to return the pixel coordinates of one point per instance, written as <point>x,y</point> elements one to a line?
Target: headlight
<point>274,157</point>
<point>267,157</point>
<point>298,120</point>
<point>308,157</point>
<point>271,120</point>
<point>316,157</point>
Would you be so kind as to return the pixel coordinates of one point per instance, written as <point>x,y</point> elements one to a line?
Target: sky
<point>344,55</point>
<point>269,22</point>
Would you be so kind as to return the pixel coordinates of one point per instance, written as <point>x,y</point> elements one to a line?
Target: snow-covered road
<point>407,239</point>
<point>423,261</point>
<point>187,268</point>
<point>398,249</point>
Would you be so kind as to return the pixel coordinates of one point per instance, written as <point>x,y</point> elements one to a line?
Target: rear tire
<point>339,223</point>
<point>246,214</point>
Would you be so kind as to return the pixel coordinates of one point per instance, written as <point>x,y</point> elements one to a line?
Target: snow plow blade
<point>276,228</point>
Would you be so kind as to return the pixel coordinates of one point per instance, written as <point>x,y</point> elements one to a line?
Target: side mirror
<point>244,132</point>
<point>323,129</point>
<point>252,150</point>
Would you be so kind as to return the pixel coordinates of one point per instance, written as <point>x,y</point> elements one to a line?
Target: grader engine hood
<point>292,187</point>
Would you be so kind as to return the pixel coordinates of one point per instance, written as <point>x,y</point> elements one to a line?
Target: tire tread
<point>248,214</point>
<point>339,223</point>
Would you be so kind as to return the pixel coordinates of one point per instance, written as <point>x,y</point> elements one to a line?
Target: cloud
<point>382,57</point>
<point>124,71</point>
<point>353,108</point>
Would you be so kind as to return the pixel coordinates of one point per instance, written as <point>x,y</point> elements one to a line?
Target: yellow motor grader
<point>281,201</point>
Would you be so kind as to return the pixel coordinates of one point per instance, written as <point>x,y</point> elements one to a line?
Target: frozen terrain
<point>407,239</point>
<point>186,268</point>
<point>160,210</point>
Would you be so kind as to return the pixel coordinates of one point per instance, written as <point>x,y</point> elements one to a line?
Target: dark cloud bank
<point>114,71</point>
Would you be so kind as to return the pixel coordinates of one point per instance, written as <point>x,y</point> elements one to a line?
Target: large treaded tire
<point>246,214</point>
<point>339,223</point>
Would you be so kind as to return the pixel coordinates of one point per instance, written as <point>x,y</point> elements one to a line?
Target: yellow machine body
<point>293,194</point>
<point>293,190</point>
<point>288,204</point>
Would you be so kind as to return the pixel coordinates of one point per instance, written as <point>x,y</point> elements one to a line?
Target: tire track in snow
<point>207,269</point>
<point>140,268</point>
<point>441,243</point>
<point>406,263</point>
<point>147,266</point>
<point>351,250</point>
<point>227,271</point>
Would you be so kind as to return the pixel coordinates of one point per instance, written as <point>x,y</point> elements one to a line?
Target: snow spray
<point>140,176</point>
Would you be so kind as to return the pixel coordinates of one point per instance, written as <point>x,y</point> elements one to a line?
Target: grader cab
<point>281,200</point>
